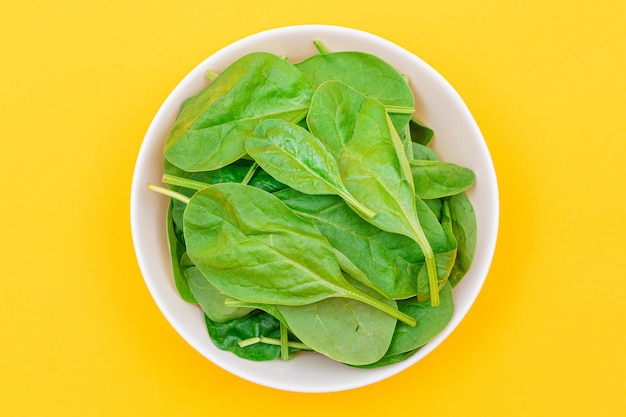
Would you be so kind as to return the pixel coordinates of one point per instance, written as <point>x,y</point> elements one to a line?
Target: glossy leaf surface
<point>210,130</point>
<point>344,330</point>
<point>436,179</point>
<point>252,247</point>
<point>371,159</point>
<point>369,75</point>
<point>295,157</point>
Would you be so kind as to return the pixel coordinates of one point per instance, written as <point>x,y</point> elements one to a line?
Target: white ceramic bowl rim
<point>458,139</point>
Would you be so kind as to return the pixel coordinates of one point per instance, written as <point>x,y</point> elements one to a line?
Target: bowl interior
<point>457,139</point>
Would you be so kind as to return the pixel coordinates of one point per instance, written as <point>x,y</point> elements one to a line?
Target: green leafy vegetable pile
<point>307,211</point>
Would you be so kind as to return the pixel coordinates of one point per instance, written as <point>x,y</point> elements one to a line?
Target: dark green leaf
<point>226,336</point>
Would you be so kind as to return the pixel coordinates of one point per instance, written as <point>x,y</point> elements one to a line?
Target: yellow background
<point>81,81</point>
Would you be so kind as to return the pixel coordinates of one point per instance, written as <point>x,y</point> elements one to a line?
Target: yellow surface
<point>81,81</point>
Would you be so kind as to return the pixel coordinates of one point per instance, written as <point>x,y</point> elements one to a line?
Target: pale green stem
<point>385,308</point>
<point>357,205</point>
<point>169,193</point>
<point>211,75</point>
<point>400,109</point>
<point>271,341</point>
<point>250,173</point>
<point>284,342</point>
<point>320,47</point>
<point>431,265</point>
<point>183,182</point>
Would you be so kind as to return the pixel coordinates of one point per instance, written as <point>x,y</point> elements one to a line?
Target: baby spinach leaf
<point>463,220</point>
<point>422,152</point>
<point>430,322</point>
<point>210,299</point>
<point>369,75</point>
<point>209,131</point>
<point>372,162</point>
<point>177,250</point>
<point>420,133</point>
<point>444,259</point>
<point>234,172</point>
<point>226,336</point>
<point>342,329</point>
<point>389,360</point>
<point>391,261</point>
<point>253,248</point>
<point>436,179</point>
<point>435,206</point>
<point>295,157</point>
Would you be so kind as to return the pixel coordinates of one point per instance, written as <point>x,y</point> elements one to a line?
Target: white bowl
<point>458,139</point>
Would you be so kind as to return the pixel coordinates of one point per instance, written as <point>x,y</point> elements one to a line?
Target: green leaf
<point>253,248</point>
<point>210,299</point>
<point>391,261</point>
<point>463,220</point>
<point>345,330</point>
<point>436,179</point>
<point>430,322</point>
<point>420,133</point>
<point>372,161</point>
<point>226,336</point>
<point>210,130</point>
<point>177,250</point>
<point>369,75</point>
<point>295,157</point>
<point>422,152</point>
<point>444,259</point>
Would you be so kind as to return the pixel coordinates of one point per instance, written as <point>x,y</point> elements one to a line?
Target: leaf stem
<point>169,193</point>
<point>385,308</point>
<point>356,204</point>
<point>431,265</point>
<point>284,342</point>
<point>250,173</point>
<point>400,109</point>
<point>320,47</point>
<point>183,182</point>
<point>271,341</point>
<point>211,75</point>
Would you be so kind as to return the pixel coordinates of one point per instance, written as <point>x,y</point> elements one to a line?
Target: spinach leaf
<point>253,248</point>
<point>389,360</point>
<point>463,220</point>
<point>345,330</point>
<point>226,336</point>
<point>372,162</point>
<point>436,179</point>
<point>392,261</point>
<point>420,133</point>
<point>177,250</point>
<point>295,157</point>
<point>369,75</point>
<point>422,152</point>
<point>445,259</point>
<point>430,322</point>
<point>209,131</point>
<point>210,299</point>
<point>234,172</point>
